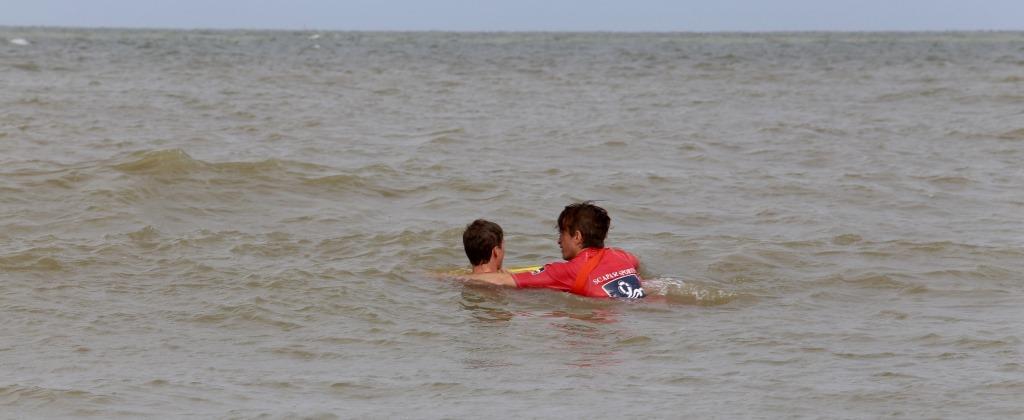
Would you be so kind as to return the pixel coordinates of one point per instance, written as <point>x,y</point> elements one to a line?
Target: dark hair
<point>479,239</point>
<point>591,220</point>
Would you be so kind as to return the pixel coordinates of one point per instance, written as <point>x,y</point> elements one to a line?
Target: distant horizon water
<point>526,31</point>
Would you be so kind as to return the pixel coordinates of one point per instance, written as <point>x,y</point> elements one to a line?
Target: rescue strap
<point>584,273</point>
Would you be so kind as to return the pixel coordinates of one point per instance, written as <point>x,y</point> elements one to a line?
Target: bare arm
<point>498,279</point>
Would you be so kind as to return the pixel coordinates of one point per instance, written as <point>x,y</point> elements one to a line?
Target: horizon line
<point>506,31</point>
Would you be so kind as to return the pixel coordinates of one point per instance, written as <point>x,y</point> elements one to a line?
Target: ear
<point>578,238</point>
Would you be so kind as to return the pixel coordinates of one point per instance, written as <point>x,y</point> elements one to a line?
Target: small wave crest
<point>174,165</point>
<point>35,396</point>
<point>242,315</point>
<point>177,161</point>
<point>171,161</point>
<point>875,281</point>
<point>35,259</point>
<point>689,293</point>
<point>1017,134</point>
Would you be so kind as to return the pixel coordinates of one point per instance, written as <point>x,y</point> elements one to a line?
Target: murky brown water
<point>238,224</point>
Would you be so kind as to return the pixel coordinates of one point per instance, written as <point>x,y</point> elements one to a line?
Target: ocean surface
<point>239,224</point>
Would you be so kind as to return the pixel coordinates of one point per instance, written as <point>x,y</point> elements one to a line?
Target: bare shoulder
<point>497,279</point>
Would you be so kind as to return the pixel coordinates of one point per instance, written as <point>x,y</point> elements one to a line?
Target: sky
<point>524,15</point>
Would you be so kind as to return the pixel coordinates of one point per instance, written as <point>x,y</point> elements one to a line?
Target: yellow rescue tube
<point>524,269</point>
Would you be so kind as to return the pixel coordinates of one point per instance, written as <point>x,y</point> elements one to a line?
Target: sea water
<point>237,224</point>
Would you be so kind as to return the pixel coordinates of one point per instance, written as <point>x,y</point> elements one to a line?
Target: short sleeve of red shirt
<point>555,275</point>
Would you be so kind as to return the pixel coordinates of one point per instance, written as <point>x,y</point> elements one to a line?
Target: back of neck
<point>484,268</point>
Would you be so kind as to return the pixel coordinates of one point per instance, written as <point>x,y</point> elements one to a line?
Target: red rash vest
<point>615,275</point>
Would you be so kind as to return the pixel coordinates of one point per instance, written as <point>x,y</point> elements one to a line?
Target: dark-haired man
<point>590,268</point>
<point>485,246</point>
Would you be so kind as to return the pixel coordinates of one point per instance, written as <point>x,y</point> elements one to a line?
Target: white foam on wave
<point>19,41</point>
<point>679,291</point>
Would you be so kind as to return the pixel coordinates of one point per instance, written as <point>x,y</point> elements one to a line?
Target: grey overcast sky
<point>524,15</point>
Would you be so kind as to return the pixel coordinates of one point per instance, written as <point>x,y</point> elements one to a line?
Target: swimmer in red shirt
<point>590,268</point>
